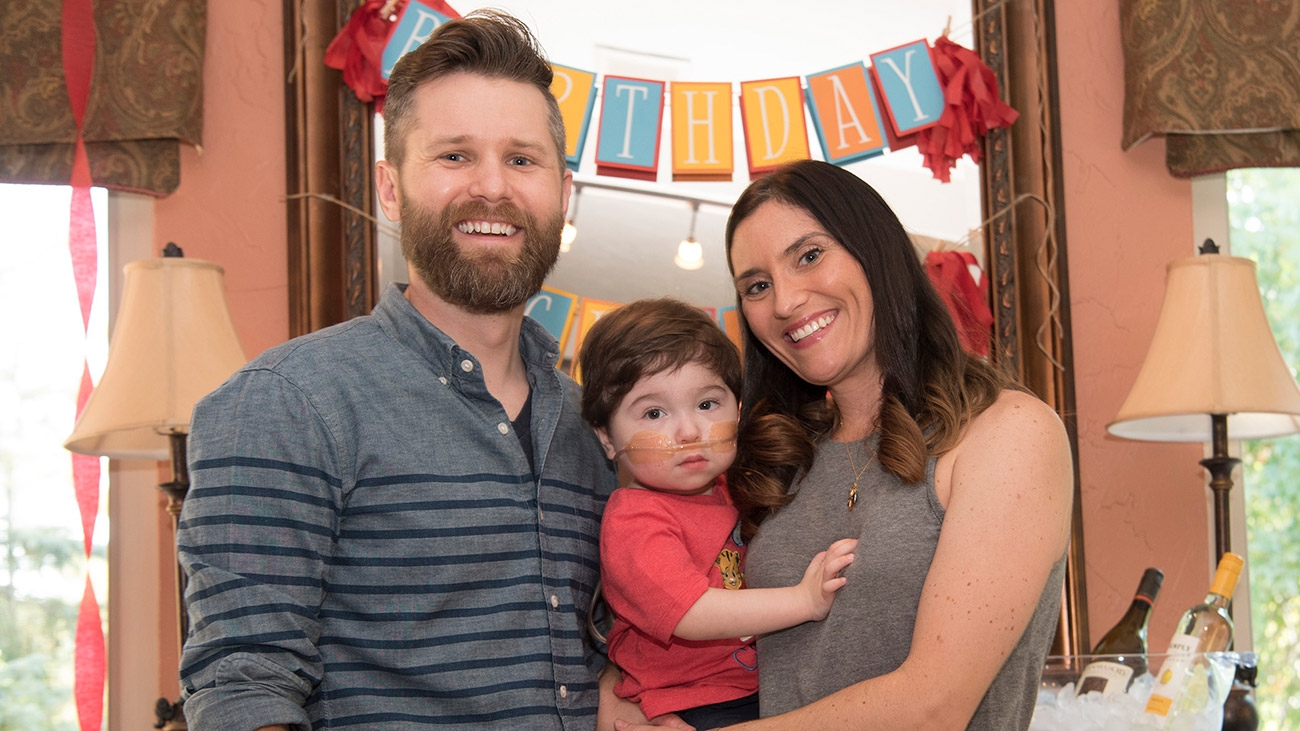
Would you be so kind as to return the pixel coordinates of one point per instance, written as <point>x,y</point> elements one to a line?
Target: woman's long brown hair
<point>931,387</point>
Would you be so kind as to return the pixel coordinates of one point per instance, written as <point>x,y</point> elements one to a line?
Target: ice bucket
<point>1199,706</point>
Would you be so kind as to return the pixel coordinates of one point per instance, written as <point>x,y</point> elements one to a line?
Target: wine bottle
<point>1239,711</point>
<point>1206,627</point>
<point>1126,642</point>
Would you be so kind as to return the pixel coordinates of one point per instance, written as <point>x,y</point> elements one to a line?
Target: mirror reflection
<point>628,231</point>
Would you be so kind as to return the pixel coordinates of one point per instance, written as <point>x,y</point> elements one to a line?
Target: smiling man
<point>394,521</point>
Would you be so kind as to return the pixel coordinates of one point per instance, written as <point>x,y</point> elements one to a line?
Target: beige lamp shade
<point>1212,353</point>
<point>173,343</point>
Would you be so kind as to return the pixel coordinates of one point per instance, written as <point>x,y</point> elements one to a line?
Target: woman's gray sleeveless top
<point>869,630</point>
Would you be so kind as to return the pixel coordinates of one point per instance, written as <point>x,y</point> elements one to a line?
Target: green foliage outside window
<point>1264,216</point>
<point>36,632</point>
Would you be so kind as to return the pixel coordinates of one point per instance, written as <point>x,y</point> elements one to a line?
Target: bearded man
<point>394,521</point>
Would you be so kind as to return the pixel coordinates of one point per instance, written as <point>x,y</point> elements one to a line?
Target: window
<point>1265,226</point>
<point>43,568</point>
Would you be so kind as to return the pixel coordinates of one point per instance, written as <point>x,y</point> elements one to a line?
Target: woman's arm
<point>1007,489</point>
<point>723,613</point>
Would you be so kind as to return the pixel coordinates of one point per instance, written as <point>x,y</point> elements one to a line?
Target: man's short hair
<point>486,42</point>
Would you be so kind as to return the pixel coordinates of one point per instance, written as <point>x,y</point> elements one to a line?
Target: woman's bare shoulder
<point>1017,428</point>
<point>1016,410</point>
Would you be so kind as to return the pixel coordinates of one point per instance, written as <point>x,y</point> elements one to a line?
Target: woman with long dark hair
<point>864,418</point>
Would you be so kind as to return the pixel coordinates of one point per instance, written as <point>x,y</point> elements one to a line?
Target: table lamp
<point>1213,369</point>
<point>173,343</point>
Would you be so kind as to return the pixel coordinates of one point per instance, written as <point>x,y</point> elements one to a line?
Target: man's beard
<point>485,281</point>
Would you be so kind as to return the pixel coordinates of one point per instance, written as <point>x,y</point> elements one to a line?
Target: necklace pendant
<point>853,495</point>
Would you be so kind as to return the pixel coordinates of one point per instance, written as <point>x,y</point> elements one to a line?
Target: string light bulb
<point>690,255</point>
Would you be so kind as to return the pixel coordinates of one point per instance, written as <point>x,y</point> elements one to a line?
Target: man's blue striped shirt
<point>367,547</point>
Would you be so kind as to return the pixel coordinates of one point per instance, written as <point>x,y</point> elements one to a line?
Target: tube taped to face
<point>651,447</point>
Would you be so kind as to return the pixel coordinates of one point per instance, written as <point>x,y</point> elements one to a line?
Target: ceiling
<point>627,238</point>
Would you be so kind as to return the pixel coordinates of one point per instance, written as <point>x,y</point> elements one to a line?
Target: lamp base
<point>171,716</point>
<point>1220,467</point>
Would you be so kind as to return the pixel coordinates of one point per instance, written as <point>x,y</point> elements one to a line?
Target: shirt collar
<point>396,315</point>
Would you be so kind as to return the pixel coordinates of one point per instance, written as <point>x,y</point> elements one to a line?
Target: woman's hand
<point>620,713</point>
<point>611,706</point>
<point>668,720</point>
<point>821,579</point>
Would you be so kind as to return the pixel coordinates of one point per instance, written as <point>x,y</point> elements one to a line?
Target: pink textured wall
<point>1143,502</point>
<point>230,206</point>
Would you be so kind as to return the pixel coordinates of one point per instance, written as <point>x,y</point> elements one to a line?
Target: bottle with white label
<point>1125,645</point>
<point>1206,627</point>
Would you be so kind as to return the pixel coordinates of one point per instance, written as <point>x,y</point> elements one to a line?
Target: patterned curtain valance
<point>146,93</point>
<point>1220,79</point>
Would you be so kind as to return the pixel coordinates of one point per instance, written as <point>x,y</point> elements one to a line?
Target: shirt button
<point>555,602</point>
<point>503,427</point>
<point>564,691</point>
<point>467,365</point>
<point>442,380</point>
<point>540,516</point>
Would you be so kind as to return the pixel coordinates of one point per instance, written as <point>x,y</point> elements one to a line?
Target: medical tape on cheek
<point>652,447</point>
<point>722,436</point>
<point>648,447</point>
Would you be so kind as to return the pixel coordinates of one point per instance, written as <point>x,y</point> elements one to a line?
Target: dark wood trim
<point>996,200</point>
<point>357,172</point>
<point>329,154</point>
<point>1075,607</point>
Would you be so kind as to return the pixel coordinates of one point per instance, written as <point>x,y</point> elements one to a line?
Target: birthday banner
<point>940,98</point>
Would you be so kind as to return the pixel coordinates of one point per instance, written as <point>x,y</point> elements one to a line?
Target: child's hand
<point>822,579</point>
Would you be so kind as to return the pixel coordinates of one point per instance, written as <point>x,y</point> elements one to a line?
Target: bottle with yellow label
<point>1206,627</point>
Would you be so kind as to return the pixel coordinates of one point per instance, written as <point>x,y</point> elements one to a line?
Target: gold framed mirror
<point>332,241</point>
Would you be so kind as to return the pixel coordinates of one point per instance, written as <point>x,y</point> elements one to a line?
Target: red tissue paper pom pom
<point>358,49</point>
<point>971,108</point>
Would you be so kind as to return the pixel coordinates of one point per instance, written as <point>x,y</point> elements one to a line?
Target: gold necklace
<point>853,491</point>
